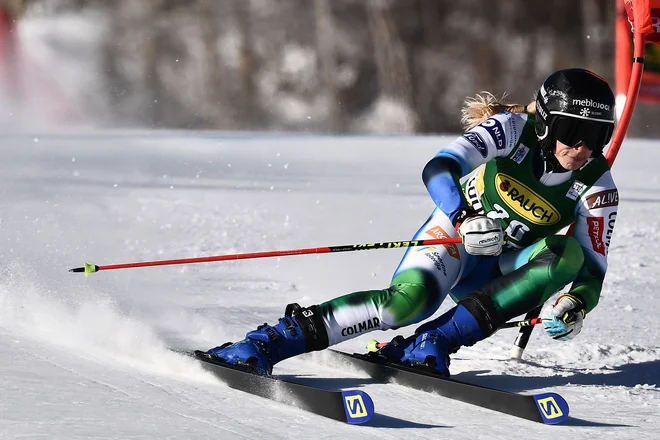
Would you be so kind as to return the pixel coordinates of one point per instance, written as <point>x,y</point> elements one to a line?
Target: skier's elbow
<point>441,165</point>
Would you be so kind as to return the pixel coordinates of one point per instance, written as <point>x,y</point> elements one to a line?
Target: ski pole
<point>524,334</point>
<point>91,268</point>
<point>527,322</point>
<point>374,345</point>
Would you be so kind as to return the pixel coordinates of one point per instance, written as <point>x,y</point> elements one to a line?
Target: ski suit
<point>499,162</point>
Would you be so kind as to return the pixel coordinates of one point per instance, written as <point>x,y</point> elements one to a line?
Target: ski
<point>549,408</point>
<point>350,406</point>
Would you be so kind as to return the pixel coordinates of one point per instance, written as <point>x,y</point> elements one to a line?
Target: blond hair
<point>483,105</point>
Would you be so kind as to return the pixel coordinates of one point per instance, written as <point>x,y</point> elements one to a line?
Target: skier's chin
<point>571,163</point>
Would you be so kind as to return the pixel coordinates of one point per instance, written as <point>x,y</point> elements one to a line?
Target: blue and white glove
<point>563,319</point>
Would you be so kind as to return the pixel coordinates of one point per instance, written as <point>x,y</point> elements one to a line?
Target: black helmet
<point>575,105</point>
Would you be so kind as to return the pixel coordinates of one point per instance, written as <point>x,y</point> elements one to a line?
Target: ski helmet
<point>572,106</point>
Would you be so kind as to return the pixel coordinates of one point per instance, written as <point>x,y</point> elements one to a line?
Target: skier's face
<point>572,158</point>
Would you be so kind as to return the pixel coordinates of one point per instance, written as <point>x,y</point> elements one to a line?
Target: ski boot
<point>299,331</point>
<point>428,349</point>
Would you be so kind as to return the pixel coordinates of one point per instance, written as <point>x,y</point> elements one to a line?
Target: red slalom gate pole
<point>634,84</point>
<point>91,268</point>
<point>631,99</point>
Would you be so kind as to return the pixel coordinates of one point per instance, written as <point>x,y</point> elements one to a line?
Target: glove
<point>481,235</point>
<point>563,319</point>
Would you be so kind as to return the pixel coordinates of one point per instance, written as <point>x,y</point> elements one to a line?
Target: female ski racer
<point>527,172</point>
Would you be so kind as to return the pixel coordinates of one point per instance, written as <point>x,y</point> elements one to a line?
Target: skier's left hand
<point>563,319</point>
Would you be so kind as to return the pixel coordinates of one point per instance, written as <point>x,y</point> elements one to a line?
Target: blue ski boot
<point>299,331</point>
<point>473,319</point>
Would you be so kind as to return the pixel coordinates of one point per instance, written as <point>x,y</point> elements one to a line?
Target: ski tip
<point>358,406</point>
<point>552,407</point>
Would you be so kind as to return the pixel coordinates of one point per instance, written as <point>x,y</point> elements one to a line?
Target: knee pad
<point>482,308</point>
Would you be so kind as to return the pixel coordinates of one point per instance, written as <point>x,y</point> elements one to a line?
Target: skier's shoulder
<point>606,180</point>
<point>602,193</point>
<point>502,130</point>
<point>597,174</point>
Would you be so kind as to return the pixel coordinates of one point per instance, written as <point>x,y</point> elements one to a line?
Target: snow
<point>88,358</point>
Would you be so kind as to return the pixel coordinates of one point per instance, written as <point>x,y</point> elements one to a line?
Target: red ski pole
<point>91,268</point>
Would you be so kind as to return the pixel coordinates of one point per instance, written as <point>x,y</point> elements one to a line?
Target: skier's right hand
<point>481,235</point>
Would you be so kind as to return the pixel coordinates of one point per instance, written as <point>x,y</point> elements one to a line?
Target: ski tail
<point>358,406</point>
<point>552,407</point>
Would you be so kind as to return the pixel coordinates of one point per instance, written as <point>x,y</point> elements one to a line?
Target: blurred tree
<point>15,8</point>
<point>335,65</point>
<point>389,52</point>
<point>325,41</point>
<point>249,112</point>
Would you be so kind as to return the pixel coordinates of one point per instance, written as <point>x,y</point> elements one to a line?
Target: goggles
<point>572,131</point>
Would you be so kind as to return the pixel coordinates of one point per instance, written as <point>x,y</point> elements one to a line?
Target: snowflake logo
<point>584,112</point>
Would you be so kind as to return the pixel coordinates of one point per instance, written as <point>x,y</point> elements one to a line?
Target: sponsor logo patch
<point>591,103</point>
<point>387,245</point>
<point>369,324</point>
<point>494,128</point>
<point>488,240</point>
<point>477,142</point>
<point>575,190</point>
<point>550,408</point>
<point>355,406</point>
<point>520,154</point>
<point>544,94</point>
<point>610,228</point>
<point>358,406</point>
<point>513,129</point>
<point>473,190</point>
<point>603,199</point>
<point>434,256</point>
<point>596,226</point>
<point>438,232</point>
<point>542,112</point>
<point>525,202</point>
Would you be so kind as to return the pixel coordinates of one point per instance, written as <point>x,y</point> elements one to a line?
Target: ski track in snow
<point>88,357</point>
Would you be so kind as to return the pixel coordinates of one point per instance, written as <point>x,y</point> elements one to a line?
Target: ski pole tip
<point>516,353</point>
<point>87,269</point>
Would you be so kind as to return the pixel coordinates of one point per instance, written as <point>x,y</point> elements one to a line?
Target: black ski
<point>351,406</point>
<point>548,408</point>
